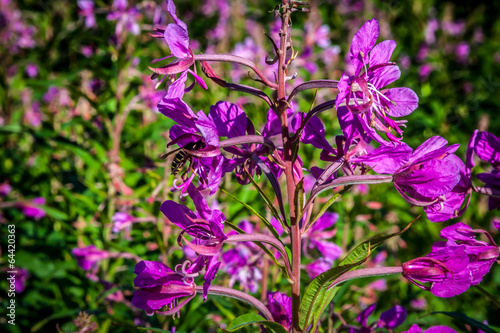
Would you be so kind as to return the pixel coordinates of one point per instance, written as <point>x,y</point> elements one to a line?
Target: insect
<point>182,155</point>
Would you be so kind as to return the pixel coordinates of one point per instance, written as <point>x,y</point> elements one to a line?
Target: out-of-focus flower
<point>125,16</point>
<point>85,324</point>
<point>33,115</point>
<point>424,71</point>
<point>418,303</point>
<point>87,11</point>
<point>32,210</point>
<point>361,94</point>
<point>487,147</point>
<point>242,262</point>
<point>453,266</point>
<point>88,257</point>
<point>121,221</point>
<point>280,306</point>
<point>159,287</point>
<point>14,33</point>
<point>389,319</point>
<point>462,52</point>
<point>317,237</point>
<point>5,189</point>
<point>31,70</point>
<point>434,329</point>
<point>21,275</point>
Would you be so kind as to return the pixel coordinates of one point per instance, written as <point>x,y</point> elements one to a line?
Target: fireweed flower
<point>87,11</point>
<point>389,319</point>
<point>121,221</point>
<point>206,230</point>
<point>453,266</point>
<point>487,147</point>
<point>242,262</point>
<point>160,287</point>
<point>362,94</point>
<point>434,329</point>
<point>5,189</point>
<point>176,36</point>
<point>430,176</point>
<point>193,128</point>
<point>316,237</point>
<point>125,16</point>
<point>280,306</point>
<point>88,257</point>
<point>231,121</point>
<point>32,210</point>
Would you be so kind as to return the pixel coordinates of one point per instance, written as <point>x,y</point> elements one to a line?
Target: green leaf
<point>329,203</point>
<point>268,201</point>
<point>55,213</point>
<point>467,320</point>
<point>299,198</point>
<point>318,296</point>
<point>250,208</point>
<point>253,318</point>
<point>315,295</point>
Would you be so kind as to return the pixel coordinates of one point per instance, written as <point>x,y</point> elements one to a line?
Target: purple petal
<point>177,88</point>
<point>414,329</point>
<point>207,129</point>
<point>177,214</point>
<point>488,147</point>
<point>440,329</point>
<point>171,10</point>
<point>432,148</point>
<point>406,101</point>
<point>362,42</point>
<point>178,111</point>
<point>382,52</point>
<point>326,221</point>
<point>363,316</point>
<point>435,178</point>
<point>393,317</point>
<point>213,268</point>
<point>458,232</point>
<point>151,273</point>
<point>384,76</point>
<point>386,159</point>
<point>178,40</point>
<point>314,133</point>
<point>328,250</point>
<point>230,119</point>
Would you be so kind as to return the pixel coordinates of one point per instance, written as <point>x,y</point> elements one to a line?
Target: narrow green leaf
<point>317,295</point>
<point>472,322</point>
<point>299,198</point>
<point>253,318</point>
<point>268,201</point>
<point>55,213</point>
<point>250,208</point>
<point>329,203</point>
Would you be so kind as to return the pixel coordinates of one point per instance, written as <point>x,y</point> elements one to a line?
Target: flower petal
<point>230,119</point>
<point>362,42</point>
<point>382,52</point>
<point>405,101</point>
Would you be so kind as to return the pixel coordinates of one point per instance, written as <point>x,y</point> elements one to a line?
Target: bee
<point>182,155</point>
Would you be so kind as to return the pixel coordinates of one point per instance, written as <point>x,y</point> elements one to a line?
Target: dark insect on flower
<point>183,155</point>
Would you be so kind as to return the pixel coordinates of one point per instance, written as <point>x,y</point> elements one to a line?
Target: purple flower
<point>177,38</point>
<point>316,237</point>
<point>121,221</point>
<point>361,94</point>
<point>318,266</point>
<point>193,128</point>
<point>280,306</point>
<point>389,319</point>
<point>21,275</point>
<point>241,262</point>
<point>206,230</point>
<point>5,189</point>
<point>33,115</point>
<point>487,147</point>
<point>453,266</point>
<point>434,329</point>
<point>462,52</point>
<point>31,70</point>
<point>126,18</point>
<point>32,210</point>
<point>88,257</point>
<point>160,287</point>
<point>87,11</point>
